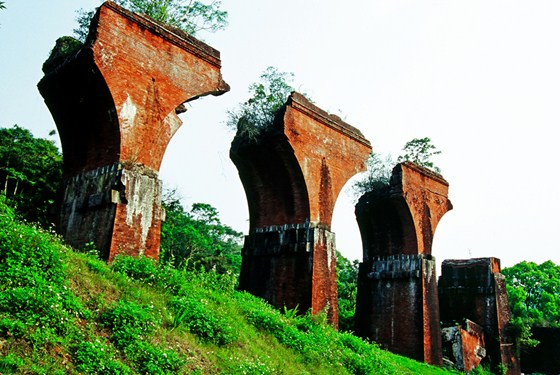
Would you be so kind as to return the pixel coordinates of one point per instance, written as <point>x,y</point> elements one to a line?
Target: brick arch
<point>273,181</point>
<point>84,112</point>
<point>292,175</point>
<point>397,301</point>
<point>386,225</point>
<point>114,103</point>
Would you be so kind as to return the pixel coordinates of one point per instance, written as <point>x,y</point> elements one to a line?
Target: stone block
<point>464,345</point>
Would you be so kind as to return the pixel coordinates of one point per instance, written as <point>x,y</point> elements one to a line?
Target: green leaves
<point>189,16</point>
<point>347,279</point>
<point>198,238</point>
<point>268,96</point>
<point>30,173</point>
<point>420,151</point>
<point>534,296</point>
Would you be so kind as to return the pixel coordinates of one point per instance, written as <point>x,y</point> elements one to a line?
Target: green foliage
<point>347,279</point>
<point>129,323</point>
<point>2,6</point>
<point>194,314</point>
<point>150,359</point>
<point>187,15</point>
<point>267,97</point>
<point>378,175</point>
<point>34,294</point>
<point>148,318</point>
<point>420,151</point>
<point>30,173</point>
<point>198,238</point>
<point>65,47</point>
<point>97,358</point>
<point>534,297</point>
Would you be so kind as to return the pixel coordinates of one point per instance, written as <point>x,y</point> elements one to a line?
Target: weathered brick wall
<point>114,105</point>
<point>398,307</point>
<point>464,345</point>
<point>292,176</point>
<point>475,289</point>
<point>395,307</point>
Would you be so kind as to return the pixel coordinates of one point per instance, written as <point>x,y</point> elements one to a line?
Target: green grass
<point>63,312</point>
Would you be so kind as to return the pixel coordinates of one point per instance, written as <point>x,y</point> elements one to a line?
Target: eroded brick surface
<point>397,301</point>
<point>464,345</point>
<point>114,106</point>
<point>292,176</point>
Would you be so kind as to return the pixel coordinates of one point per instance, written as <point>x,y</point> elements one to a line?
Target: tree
<point>189,16</point>
<point>534,297</point>
<point>30,173</point>
<point>347,279</point>
<point>268,96</point>
<point>197,238</point>
<point>420,151</point>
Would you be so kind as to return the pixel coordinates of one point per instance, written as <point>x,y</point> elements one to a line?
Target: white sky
<point>480,78</point>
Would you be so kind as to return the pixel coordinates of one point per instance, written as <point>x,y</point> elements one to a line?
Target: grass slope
<point>63,312</point>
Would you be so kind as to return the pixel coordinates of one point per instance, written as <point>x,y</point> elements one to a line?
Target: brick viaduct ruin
<point>115,103</point>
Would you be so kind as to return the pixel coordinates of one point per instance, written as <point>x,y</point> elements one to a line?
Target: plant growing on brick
<point>268,95</point>
<point>189,16</point>
<point>418,150</point>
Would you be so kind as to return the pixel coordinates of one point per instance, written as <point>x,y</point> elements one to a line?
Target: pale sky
<point>480,78</point>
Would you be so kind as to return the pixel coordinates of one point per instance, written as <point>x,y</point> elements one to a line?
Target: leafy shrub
<point>200,320</point>
<point>137,268</point>
<point>152,360</point>
<point>10,364</point>
<point>33,285</point>
<point>129,323</point>
<point>96,358</point>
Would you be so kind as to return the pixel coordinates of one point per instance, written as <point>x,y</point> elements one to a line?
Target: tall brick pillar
<point>114,102</point>
<point>292,176</point>
<point>475,289</point>
<point>397,301</point>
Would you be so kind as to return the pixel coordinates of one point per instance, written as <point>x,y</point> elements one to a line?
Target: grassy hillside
<point>63,312</point>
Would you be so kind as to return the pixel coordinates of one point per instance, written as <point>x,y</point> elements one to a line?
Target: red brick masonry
<point>397,302</point>
<point>114,103</point>
<point>292,175</point>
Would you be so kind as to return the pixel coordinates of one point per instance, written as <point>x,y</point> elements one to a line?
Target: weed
<point>129,323</point>
<point>152,360</point>
<point>10,363</point>
<point>96,358</point>
<point>200,320</point>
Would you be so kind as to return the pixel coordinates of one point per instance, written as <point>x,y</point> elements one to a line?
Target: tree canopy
<point>189,16</point>
<point>197,238</point>
<point>534,296</point>
<point>347,280</point>
<point>30,173</point>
